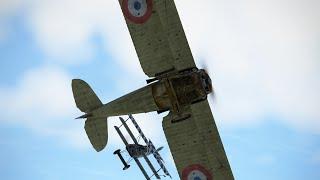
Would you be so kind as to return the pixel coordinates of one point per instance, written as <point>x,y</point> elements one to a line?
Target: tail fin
<point>86,100</point>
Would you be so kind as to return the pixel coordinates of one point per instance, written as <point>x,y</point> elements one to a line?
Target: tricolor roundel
<point>196,172</point>
<point>137,11</point>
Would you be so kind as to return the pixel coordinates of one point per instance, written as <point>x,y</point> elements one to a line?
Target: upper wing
<point>196,146</point>
<point>158,35</point>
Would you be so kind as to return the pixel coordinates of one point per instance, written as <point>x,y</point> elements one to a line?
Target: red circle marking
<point>186,171</point>
<point>134,19</point>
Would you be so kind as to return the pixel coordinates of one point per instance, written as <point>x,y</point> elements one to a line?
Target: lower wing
<point>195,144</point>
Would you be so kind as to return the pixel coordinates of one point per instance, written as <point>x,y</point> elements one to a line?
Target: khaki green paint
<point>196,141</point>
<point>172,26</point>
<point>160,42</point>
<point>161,45</point>
<point>97,131</point>
<point>86,100</point>
<point>139,101</point>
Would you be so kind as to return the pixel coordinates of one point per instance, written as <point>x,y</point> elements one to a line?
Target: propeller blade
<point>212,95</point>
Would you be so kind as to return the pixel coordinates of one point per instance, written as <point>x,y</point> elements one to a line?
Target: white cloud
<point>66,29</point>
<point>42,101</point>
<point>45,88</point>
<point>264,54</point>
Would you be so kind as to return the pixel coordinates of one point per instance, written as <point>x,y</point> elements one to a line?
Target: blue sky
<point>263,58</point>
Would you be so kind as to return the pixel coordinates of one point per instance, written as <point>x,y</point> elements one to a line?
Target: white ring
<point>137,8</point>
<point>196,175</point>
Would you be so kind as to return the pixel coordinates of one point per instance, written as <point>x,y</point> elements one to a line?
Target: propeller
<point>212,95</point>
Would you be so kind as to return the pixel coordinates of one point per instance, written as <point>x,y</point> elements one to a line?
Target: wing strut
<point>136,142</point>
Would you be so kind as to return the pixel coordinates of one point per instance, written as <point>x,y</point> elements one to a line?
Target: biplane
<point>138,150</point>
<point>175,84</point>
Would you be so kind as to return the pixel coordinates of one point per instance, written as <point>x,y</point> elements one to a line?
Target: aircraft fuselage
<point>171,92</point>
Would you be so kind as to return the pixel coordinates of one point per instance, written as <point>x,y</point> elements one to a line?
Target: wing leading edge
<point>196,146</point>
<point>158,37</point>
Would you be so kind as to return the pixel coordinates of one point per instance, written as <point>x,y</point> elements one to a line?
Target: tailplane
<point>97,132</point>
<point>87,101</point>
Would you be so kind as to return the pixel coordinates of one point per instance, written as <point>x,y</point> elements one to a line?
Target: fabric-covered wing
<point>97,131</point>
<point>196,146</point>
<point>158,35</point>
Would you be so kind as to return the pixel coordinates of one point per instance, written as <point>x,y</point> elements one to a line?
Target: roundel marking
<point>196,172</point>
<point>137,11</point>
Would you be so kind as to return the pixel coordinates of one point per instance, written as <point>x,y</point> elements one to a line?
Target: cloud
<point>63,29</point>
<point>66,30</point>
<point>264,55</point>
<point>46,88</point>
<point>42,101</point>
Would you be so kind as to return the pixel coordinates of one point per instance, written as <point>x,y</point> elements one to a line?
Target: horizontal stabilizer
<point>97,131</point>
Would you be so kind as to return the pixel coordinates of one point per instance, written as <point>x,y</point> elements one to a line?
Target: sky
<point>263,57</point>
